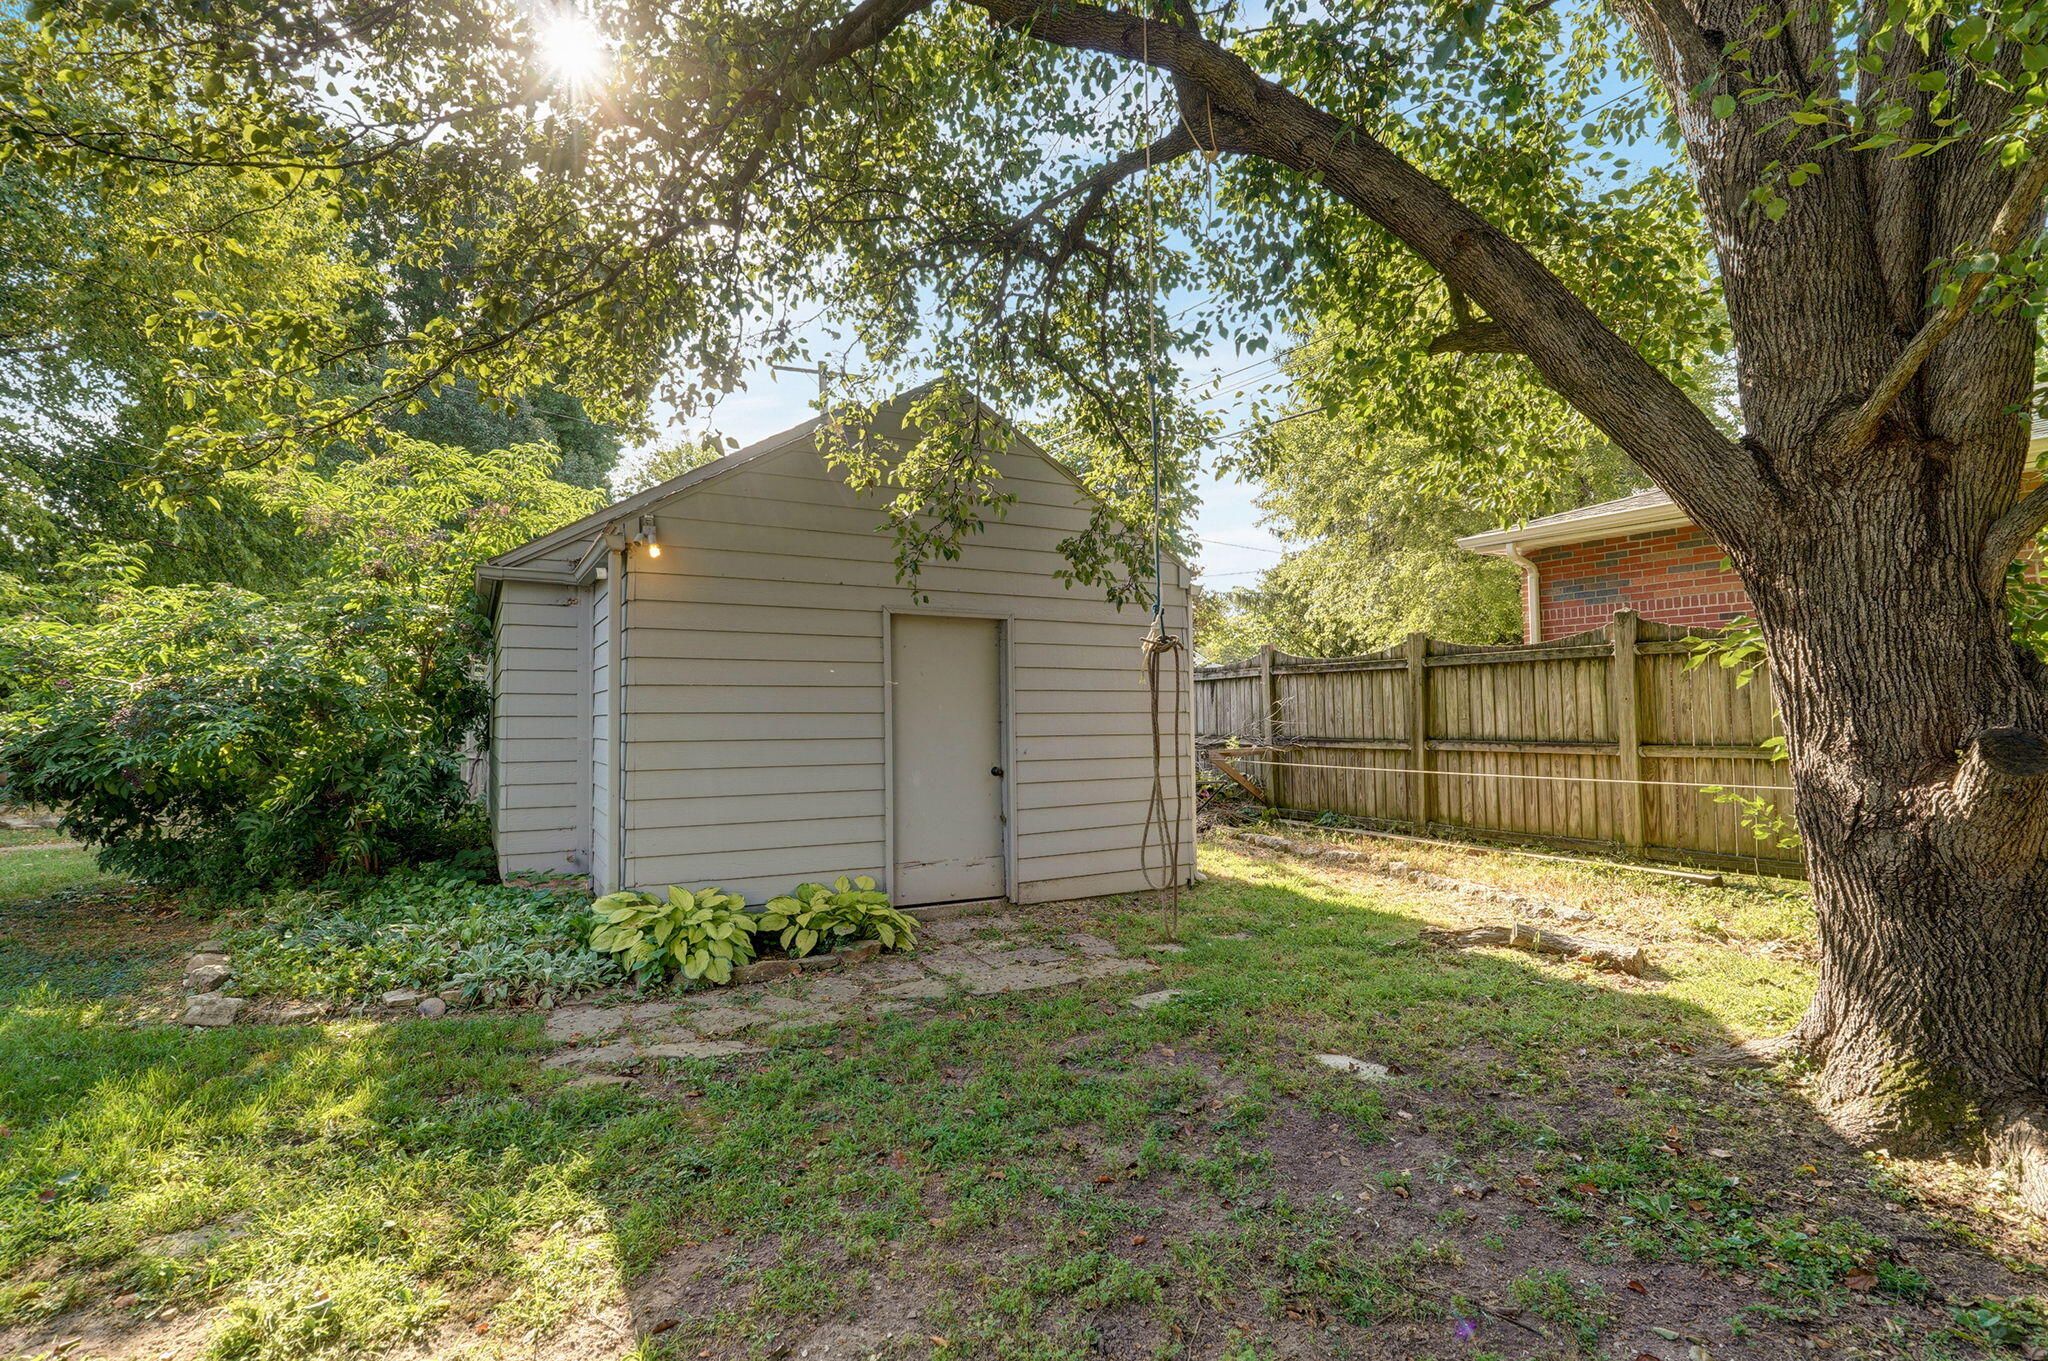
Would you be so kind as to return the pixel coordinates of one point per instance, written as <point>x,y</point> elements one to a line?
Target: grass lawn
<point>1552,1172</point>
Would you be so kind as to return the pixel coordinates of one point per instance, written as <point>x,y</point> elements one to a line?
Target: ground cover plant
<point>1552,1170</point>
<point>429,930</point>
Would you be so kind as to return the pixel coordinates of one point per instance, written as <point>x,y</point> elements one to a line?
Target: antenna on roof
<point>823,370</point>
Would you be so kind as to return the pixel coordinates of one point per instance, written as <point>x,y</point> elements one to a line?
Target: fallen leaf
<point>938,1341</point>
<point>1139,1240</point>
<point>1862,1280</point>
<point>1104,1180</point>
<point>1639,1287</point>
<point>1720,1153</point>
<point>664,1325</point>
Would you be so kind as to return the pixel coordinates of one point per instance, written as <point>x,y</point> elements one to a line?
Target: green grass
<point>1044,1176</point>
<point>25,874</point>
<point>30,836</point>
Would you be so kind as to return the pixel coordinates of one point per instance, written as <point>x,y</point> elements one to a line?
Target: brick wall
<point>1673,576</point>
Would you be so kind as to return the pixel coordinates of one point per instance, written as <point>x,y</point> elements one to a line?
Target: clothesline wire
<point>1494,775</point>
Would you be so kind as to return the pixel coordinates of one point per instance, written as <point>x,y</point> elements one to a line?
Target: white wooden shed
<point>720,680</point>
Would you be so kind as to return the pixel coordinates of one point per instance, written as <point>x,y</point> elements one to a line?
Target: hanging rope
<point>1161,648</point>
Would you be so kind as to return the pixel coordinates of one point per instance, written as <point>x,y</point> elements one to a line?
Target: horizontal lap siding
<point>539,735</point>
<point>756,700</point>
<point>600,791</point>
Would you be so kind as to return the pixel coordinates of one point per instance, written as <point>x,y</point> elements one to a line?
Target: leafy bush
<point>704,933</point>
<point>211,736</point>
<point>848,911</point>
<point>492,943</point>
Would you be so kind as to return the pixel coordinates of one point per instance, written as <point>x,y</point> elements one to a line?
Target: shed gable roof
<point>525,561</point>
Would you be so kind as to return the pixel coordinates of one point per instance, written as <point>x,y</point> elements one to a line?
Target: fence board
<point>1544,741</point>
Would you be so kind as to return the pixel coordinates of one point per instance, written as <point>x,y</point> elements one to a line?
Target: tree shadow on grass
<point>1044,1175</point>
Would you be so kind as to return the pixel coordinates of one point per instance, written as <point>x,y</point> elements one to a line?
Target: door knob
<point>996,771</point>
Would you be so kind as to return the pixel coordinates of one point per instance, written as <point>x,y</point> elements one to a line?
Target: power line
<point>1247,547</point>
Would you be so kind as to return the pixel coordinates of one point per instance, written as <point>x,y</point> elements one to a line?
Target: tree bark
<point>1915,730</point>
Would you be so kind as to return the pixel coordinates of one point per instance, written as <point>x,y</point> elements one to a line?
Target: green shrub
<point>704,933</point>
<point>848,911</point>
<point>492,943</point>
<point>203,735</point>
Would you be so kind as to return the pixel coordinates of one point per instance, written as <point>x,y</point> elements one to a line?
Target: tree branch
<point>1094,188</point>
<point>2021,209</point>
<point>2010,533</point>
<point>1600,374</point>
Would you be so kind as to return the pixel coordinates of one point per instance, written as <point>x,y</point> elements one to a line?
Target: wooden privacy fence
<point>1600,740</point>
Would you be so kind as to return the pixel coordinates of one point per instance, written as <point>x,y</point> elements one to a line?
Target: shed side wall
<point>540,731</point>
<point>600,736</point>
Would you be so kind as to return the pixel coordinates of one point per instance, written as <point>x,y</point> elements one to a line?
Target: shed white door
<point>946,725</point>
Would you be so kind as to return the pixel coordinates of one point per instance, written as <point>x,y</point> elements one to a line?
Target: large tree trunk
<point>1911,719</point>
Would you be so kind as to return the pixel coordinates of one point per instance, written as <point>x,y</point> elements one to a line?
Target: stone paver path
<point>974,956</point>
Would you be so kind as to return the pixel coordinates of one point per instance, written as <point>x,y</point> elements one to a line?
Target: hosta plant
<point>705,934</point>
<point>849,910</point>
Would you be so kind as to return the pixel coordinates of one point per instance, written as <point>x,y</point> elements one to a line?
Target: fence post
<point>1628,733</point>
<point>1416,650</point>
<point>1269,699</point>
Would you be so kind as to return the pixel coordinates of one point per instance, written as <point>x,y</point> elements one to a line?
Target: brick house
<point>1638,552</point>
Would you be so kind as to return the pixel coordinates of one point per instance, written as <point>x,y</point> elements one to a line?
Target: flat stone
<point>891,971</point>
<point>833,990</point>
<point>212,1009</point>
<point>820,963</point>
<point>593,1057</point>
<point>722,1020</point>
<point>293,1012</point>
<point>1365,1070</point>
<point>432,1008</point>
<point>1026,954</point>
<point>1235,935</point>
<point>791,1006</point>
<point>1017,978</point>
<point>650,1013</point>
<point>401,997</point>
<point>1167,948</point>
<point>1091,945</point>
<point>597,1080</point>
<point>804,1021</point>
<point>951,959</point>
<point>202,959</point>
<point>1147,1001</point>
<point>961,928</point>
<point>889,1006</point>
<point>583,1023</point>
<point>1114,968</point>
<point>700,1049</point>
<point>922,989</point>
<point>764,968</point>
<point>208,978</point>
<point>861,953</point>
